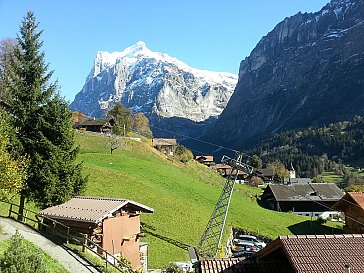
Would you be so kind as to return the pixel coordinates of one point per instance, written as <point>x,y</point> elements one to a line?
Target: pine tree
<point>43,126</point>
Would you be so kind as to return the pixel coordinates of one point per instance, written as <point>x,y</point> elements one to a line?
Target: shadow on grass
<point>167,239</point>
<point>82,259</point>
<point>312,227</point>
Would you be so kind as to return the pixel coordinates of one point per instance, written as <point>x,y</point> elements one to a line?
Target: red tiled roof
<point>209,158</point>
<point>358,197</point>
<point>240,265</point>
<point>218,265</point>
<point>321,253</point>
<point>91,209</point>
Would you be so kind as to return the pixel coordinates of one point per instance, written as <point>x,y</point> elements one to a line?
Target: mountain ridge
<point>308,71</point>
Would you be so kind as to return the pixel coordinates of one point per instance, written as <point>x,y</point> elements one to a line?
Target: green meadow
<point>183,196</point>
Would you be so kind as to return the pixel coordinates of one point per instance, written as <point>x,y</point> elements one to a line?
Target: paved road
<point>68,259</point>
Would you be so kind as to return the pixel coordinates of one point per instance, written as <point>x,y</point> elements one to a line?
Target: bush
<point>173,268</point>
<point>321,220</point>
<point>21,257</point>
<point>183,154</point>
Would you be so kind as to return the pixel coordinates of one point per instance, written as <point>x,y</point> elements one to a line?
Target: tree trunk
<point>21,207</point>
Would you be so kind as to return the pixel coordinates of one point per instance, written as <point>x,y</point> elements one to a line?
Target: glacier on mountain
<point>154,83</point>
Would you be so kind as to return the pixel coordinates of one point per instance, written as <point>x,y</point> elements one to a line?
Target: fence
<point>56,229</point>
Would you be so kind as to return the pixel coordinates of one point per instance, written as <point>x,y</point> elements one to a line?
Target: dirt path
<point>69,260</point>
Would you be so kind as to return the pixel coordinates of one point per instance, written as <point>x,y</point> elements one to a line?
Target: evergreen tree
<point>255,162</point>
<point>123,119</point>
<point>43,126</point>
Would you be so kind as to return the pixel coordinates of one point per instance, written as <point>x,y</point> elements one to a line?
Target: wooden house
<point>99,125</point>
<point>309,199</point>
<point>352,204</point>
<point>267,175</point>
<point>298,254</point>
<point>111,222</point>
<point>223,169</point>
<point>167,146</point>
<point>207,160</point>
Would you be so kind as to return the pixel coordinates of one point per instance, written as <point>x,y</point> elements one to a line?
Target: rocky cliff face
<point>164,88</point>
<point>308,71</point>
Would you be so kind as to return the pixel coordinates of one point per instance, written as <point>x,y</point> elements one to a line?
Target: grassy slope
<point>183,196</point>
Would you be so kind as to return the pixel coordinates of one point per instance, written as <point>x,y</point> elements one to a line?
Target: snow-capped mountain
<point>154,83</point>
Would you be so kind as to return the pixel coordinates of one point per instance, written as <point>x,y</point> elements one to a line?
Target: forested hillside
<point>315,150</point>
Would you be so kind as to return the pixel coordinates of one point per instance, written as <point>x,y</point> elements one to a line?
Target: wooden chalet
<point>111,222</point>
<point>267,175</point>
<point>223,169</point>
<point>99,125</point>
<point>298,254</point>
<point>207,160</point>
<point>352,204</point>
<point>167,146</point>
<point>309,199</point>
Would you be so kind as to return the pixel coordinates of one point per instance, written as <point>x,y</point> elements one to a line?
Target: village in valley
<point>158,167</point>
<point>319,202</point>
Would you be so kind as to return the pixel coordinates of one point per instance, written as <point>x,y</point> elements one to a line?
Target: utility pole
<point>124,130</point>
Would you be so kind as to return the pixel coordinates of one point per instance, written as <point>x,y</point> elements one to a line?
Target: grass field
<point>330,177</point>
<point>183,196</point>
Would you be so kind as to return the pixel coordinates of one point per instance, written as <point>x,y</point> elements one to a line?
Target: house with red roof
<point>352,204</point>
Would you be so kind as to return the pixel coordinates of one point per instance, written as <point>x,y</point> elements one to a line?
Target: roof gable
<point>358,197</point>
<point>92,209</point>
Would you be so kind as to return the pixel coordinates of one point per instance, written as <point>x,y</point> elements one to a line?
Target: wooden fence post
<point>25,217</point>
<point>84,242</point>
<point>106,259</point>
<point>53,229</point>
<point>10,210</point>
<point>68,234</point>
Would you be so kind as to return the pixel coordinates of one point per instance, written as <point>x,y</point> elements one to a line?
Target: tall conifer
<point>42,121</point>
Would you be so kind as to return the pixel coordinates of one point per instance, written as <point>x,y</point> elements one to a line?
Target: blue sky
<point>205,34</point>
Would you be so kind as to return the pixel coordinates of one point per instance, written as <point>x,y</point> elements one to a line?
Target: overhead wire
<point>202,141</point>
<point>223,147</point>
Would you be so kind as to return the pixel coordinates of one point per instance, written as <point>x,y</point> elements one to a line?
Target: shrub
<point>183,154</point>
<point>21,257</point>
<point>321,220</point>
<point>173,268</point>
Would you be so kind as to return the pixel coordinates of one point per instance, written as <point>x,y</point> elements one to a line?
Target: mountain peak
<point>140,48</point>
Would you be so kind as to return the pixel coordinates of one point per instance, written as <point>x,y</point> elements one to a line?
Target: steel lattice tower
<point>211,238</point>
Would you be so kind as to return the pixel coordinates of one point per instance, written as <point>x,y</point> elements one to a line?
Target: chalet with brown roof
<point>267,175</point>
<point>98,125</point>
<point>223,169</point>
<point>113,223</point>
<point>352,204</point>
<point>167,146</point>
<point>207,160</point>
<point>298,254</point>
<point>309,199</point>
